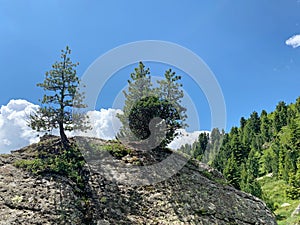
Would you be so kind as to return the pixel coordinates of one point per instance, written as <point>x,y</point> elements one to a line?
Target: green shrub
<point>269,202</point>
<point>35,165</point>
<point>68,163</point>
<point>145,111</point>
<point>292,192</point>
<point>115,148</point>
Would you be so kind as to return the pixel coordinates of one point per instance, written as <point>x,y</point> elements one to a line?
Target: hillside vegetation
<point>265,143</point>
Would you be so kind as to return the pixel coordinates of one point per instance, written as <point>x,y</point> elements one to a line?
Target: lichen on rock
<point>196,194</point>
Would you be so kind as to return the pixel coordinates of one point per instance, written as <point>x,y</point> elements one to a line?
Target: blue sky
<point>243,43</point>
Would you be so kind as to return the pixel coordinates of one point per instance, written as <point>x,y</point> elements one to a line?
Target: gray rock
<point>188,197</point>
<point>296,211</point>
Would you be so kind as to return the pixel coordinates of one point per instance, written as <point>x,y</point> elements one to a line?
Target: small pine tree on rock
<point>62,96</point>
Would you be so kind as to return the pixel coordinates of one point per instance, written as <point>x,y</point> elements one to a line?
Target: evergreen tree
<point>275,148</point>
<point>62,96</point>
<point>201,146</point>
<point>244,178</point>
<point>139,87</point>
<point>297,176</point>
<point>145,104</point>
<point>269,143</point>
<point>242,122</point>
<point>290,149</point>
<point>265,126</point>
<point>257,142</point>
<point>236,146</point>
<point>294,139</point>
<point>154,119</point>
<point>254,123</point>
<point>223,155</point>
<point>170,90</point>
<point>231,172</point>
<point>281,163</point>
<point>263,113</point>
<point>246,136</point>
<point>297,105</point>
<point>289,167</point>
<point>187,149</point>
<point>269,160</point>
<point>248,183</point>
<point>253,163</point>
<point>213,146</point>
<point>254,187</point>
<point>291,114</point>
<point>280,116</point>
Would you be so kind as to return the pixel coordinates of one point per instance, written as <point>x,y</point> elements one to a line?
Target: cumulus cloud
<point>293,41</point>
<point>104,123</point>
<point>185,137</point>
<point>15,134</point>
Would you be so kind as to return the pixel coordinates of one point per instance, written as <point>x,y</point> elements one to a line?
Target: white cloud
<point>14,132</point>
<point>185,138</point>
<point>293,41</point>
<point>104,123</point>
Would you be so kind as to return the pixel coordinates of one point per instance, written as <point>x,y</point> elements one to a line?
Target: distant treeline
<point>263,143</point>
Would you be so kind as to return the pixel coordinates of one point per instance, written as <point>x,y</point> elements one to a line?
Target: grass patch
<point>68,163</point>
<point>275,191</point>
<point>115,148</point>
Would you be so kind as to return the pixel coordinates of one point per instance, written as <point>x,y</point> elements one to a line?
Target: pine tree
<point>236,146</point>
<point>254,187</point>
<point>213,146</point>
<point>253,163</point>
<point>297,105</point>
<point>275,148</point>
<point>265,126</point>
<point>231,172</point>
<point>146,106</point>
<point>297,176</point>
<point>62,96</point>
<point>254,122</point>
<point>170,90</point>
<point>244,178</point>
<point>139,87</point>
<point>280,116</point>
<point>269,161</point>
<point>242,122</point>
<point>281,163</point>
<point>269,143</point>
<point>248,183</point>
<point>247,136</point>
<point>291,114</point>
<point>289,149</point>
<point>201,146</point>
<point>220,160</point>
<point>187,149</point>
<point>154,119</point>
<point>294,139</point>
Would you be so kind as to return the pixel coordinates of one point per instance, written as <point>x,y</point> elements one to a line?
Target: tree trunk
<point>63,136</point>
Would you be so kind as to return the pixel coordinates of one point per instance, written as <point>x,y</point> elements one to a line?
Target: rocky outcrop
<point>296,211</point>
<point>196,194</point>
